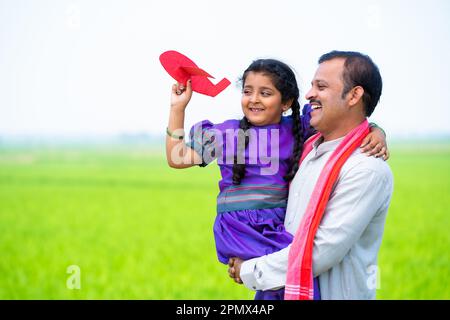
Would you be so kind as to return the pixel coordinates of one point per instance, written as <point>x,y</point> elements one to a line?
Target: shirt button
<point>254,288</point>
<point>260,274</point>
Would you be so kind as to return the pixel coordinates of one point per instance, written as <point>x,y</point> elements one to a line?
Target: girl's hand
<point>374,144</point>
<point>181,95</point>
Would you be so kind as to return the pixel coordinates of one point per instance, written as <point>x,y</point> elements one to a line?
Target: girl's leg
<point>279,294</point>
<point>270,294</point>
<point>316,289</point>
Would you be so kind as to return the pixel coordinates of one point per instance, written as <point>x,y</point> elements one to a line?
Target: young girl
<point>258,156</point>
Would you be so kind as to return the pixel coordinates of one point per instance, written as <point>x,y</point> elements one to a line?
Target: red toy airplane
<point>181,68</point>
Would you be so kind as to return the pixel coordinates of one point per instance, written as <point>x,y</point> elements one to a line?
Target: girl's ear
<point>287,105</point>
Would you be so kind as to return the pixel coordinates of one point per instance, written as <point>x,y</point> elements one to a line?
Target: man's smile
<point>315,105</point>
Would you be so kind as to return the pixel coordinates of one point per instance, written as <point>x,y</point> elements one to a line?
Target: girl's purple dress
<point>250,216</point>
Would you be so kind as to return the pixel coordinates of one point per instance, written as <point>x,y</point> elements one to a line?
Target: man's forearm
<point>267,272</point>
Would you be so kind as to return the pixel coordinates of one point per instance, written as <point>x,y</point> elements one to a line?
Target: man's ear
<point>355,95</point>
<point>286,106</point>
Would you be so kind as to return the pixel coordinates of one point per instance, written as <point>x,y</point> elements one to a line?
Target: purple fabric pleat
<point>249,234</point>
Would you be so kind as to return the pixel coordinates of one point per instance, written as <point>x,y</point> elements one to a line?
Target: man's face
<point>329,108</point>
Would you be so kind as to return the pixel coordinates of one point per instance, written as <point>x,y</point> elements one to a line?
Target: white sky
<point>91,67</point>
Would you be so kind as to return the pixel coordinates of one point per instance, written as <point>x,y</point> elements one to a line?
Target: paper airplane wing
<point>181,68</point>
<point>194,71</point>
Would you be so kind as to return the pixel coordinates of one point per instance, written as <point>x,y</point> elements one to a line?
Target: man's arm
<point>357,198</point>
<point>266,272</point>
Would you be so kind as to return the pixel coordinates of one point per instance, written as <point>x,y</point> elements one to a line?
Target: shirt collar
<point>321,147</point>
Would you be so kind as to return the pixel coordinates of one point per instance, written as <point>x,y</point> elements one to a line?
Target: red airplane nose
<point>181,68</point>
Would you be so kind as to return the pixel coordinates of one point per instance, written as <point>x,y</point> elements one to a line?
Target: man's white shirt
<point>349,236</point>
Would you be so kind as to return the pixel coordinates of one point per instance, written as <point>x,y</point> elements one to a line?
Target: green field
<point>140,230</point>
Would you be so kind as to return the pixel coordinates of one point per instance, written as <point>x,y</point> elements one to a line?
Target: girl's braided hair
<point>284,80</point>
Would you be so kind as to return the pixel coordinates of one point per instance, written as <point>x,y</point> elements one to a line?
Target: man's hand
<point>234,269</point>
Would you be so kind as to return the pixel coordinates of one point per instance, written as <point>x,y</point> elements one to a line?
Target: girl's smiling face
<point>261,101</point>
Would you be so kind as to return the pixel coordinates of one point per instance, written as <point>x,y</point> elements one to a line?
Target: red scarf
<point>299,278</point>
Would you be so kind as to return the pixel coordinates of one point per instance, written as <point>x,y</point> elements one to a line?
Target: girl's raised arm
<point>178,155</point>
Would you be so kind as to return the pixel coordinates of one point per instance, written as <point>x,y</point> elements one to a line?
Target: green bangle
<point>170,134</point>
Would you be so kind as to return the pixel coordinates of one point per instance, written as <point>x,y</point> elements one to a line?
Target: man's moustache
<point>315,101</point>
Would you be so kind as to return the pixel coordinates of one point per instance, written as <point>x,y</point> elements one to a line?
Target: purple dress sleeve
<point>203,138</point>
<point>308,131</point>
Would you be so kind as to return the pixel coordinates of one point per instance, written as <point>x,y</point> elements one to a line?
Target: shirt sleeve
<point>267,272</point>
<point>206,140</point>
<point>353,204</point>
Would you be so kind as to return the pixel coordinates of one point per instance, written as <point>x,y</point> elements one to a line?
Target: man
<point>345,90</point>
